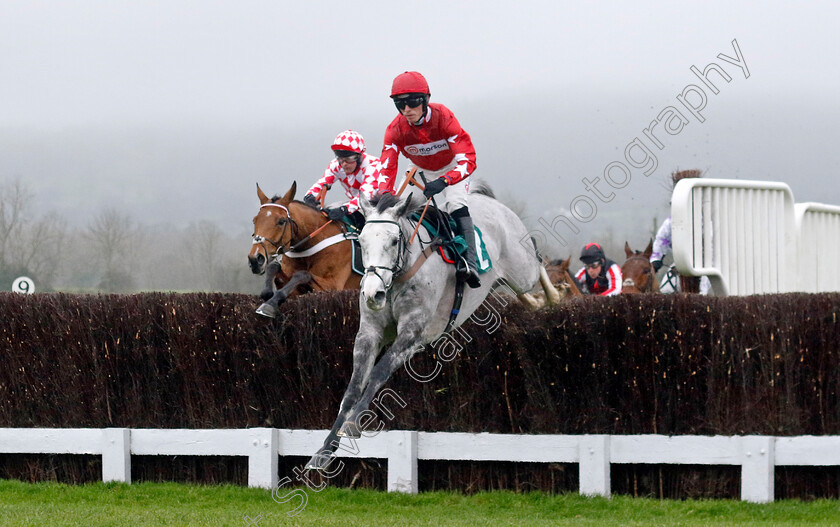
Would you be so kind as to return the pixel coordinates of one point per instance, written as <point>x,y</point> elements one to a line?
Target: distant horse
<point>639,276</point>
<point>299,249</point>
<point>407,297</point>
<point>562,280</point>
<point>558,273</point>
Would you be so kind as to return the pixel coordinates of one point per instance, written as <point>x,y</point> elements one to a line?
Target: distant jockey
<point>429,135</point>
<point>599,275</point>
<point>662,243</point>
<point>358,172</point>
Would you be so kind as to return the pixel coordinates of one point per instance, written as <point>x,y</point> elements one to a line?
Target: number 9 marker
<point>23,284</point>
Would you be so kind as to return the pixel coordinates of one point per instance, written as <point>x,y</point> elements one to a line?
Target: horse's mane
<point>383,202</point>
<point>480,187</point>
<point>278,197</point>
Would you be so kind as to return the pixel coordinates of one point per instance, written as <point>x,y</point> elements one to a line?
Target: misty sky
<point>172,110</point>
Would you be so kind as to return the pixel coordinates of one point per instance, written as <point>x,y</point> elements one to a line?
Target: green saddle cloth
<point>451,250</point>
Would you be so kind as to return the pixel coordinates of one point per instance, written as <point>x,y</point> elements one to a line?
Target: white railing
<point>757,455</point>
<point>818,248</point>
<point>741,234</point>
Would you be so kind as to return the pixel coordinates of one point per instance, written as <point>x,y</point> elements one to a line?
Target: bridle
<point>278,246</point>
<point>399,264</point>
<point>671,277</point>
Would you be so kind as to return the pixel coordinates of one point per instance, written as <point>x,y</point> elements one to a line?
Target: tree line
<point>114,253</point>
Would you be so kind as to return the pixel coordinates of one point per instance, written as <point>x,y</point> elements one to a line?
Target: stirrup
<point>473,280</point>
<point>470,276</point>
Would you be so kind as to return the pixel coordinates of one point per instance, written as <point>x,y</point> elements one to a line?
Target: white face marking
<point>268,213</point>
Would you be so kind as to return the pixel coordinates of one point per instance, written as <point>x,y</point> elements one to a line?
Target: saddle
<point>451,246</point>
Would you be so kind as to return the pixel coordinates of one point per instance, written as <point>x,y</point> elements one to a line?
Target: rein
<point>398,266</point>
<point>398,276</point>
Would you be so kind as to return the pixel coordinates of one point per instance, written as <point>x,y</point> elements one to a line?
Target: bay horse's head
<point>274,229</point>
<point>384,246</point>
<point>561,278</point>
<point>638,273</point>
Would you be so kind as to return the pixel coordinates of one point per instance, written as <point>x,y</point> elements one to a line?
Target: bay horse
<point>562,280</point>
<point>407,297</point>
<point>558,273</point>
<point>639,276</point>
<point>299,249</point>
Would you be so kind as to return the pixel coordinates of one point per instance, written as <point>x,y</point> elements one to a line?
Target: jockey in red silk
<point>432,139</point>
<point>599,275</point>
<point>358,173</point>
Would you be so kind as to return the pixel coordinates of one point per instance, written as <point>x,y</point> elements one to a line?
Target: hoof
<point>318,462</point>
<point>267,310</point>
<point>349,429</point>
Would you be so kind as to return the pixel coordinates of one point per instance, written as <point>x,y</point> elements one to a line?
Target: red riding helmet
<point>409,82</point>
<point>349,141</point>
<point>592,253</point>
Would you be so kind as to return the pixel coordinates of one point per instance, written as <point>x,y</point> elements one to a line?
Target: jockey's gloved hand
<point>433,187</point>
<point>309,199</point>
<point>657,265</point>
<point>336,213</point>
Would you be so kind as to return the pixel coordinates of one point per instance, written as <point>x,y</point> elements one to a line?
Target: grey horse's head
<point>384,245</point>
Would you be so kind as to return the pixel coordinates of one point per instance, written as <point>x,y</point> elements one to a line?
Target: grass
<point>54,504</point>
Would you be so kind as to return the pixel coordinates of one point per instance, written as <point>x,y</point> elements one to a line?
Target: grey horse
<point>408,306</point>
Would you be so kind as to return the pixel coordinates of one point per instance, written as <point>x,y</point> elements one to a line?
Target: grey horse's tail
<point>480,187</point>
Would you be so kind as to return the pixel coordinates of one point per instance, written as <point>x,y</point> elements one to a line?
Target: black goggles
<point>412,101</point>
<point>343,155</point>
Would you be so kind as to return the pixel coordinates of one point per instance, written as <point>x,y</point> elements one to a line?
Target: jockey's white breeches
<point>452,197</point>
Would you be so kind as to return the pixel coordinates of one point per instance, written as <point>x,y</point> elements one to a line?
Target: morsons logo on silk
<point>427,149</point>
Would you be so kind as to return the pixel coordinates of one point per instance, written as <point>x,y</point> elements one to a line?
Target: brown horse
<point>287,234</point>
<point>639,276</point>
<point>558,273</point>
<point>561,278</point>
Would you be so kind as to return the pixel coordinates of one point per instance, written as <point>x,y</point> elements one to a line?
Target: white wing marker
<point>23,284</point>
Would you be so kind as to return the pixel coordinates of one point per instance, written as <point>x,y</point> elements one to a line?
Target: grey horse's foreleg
<point>269,308</point>
<point>404,347</point>
<point>365,350</point>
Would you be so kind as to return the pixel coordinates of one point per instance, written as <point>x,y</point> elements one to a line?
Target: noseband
<point>398,266</point>
<point>278,247</point>
<point>629,282</point>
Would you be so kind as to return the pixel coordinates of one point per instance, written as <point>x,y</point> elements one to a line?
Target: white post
<point>402,461</point>
<point>594,459</point>
<point>264,449</point>
<point>116,455</point>
<point>758,461</point>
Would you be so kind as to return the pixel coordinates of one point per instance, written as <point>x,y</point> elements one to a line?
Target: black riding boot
<point>465,225</point>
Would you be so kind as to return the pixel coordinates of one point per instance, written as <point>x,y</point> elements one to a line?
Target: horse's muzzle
<point>257,263</point>
<point>373,294</point>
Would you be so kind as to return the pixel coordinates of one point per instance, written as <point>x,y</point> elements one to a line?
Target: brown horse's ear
<point>260,194</point>
<point>290,195</point>
<point>648,249</point>
<point>627,250</point>
<point>564,265</point>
